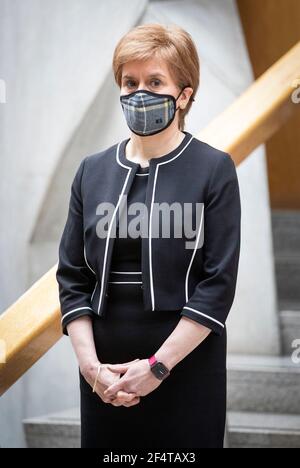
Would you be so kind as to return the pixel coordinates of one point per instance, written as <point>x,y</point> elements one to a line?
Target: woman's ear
<point>186,96</point>
<point>189,91</point>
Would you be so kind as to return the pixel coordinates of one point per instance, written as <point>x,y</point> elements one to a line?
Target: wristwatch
<point>158,368</point>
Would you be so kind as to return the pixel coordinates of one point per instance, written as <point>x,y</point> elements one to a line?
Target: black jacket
<point>197,278</point>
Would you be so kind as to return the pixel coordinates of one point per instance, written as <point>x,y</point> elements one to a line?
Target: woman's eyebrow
<point>157,74</point>
<point>150,76</point>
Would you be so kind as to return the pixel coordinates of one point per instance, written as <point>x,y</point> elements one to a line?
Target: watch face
<point>160,370</point>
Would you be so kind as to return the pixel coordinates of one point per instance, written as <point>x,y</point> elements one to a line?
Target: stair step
<point>263,430</point>
<point>287,269</point>
<point>286,228</point>
<point>245,430</point>
<point>292,306</point>
<point>55,430</point>
<point>263,384</point>
<point>290,329</point>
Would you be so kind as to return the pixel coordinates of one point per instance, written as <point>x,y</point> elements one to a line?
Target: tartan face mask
<point>148,113</point>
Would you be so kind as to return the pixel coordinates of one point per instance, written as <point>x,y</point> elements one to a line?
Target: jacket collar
<point>123,161</point>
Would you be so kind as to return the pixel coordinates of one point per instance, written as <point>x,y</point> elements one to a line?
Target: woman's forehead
<point>151,67</point>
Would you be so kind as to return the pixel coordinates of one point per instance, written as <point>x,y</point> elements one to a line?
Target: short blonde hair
<point>170,43</point>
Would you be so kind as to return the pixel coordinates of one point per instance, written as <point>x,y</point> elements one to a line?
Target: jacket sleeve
<point>213,296</point>
<point>76,280</point>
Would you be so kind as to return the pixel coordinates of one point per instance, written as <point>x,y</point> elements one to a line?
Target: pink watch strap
<point>152,360</point>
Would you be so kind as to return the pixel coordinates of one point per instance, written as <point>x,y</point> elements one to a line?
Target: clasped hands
<point>137,380</point>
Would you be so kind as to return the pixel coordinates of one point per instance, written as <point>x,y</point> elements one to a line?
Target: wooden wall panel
<point>271,28</point>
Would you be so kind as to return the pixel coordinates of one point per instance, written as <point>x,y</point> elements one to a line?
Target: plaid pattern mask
<point>148,113</point>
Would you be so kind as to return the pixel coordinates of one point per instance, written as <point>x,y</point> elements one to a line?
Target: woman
<point>146,314</point>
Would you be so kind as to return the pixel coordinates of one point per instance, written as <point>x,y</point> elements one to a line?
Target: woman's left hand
<point>137,379</point>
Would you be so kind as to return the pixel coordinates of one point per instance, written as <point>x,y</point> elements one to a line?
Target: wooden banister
<point>32,324</point>
<point>29,328</point>
<point>259,112</point>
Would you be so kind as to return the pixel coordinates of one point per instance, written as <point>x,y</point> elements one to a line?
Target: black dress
<point>188,409</point>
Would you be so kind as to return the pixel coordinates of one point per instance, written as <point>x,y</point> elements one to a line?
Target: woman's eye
<point>155,82</point>
<point>132,84</point>
<point>129,83</point>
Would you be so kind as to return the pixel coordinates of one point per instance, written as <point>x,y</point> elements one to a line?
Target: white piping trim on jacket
<point>150,246</point>
<point>204,315</point>
<point>118,159</point>
<point>125,282</point>
<point>108,237</point>
<point>94,290</point>
<point>124,165</point>
<point>88,265</point>
<point>192,258</point>
<point>74,310</point>
<point>150,218</point>
<point>127,272</point>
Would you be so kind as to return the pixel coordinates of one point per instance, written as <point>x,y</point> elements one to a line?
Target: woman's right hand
<point>105,379</point>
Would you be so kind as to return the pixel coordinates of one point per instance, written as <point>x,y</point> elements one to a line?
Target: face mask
<point>148,113</point>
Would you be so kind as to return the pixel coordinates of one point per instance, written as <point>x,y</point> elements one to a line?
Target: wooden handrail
<point>259,112</point>
<point>32,324</point>
<point>29,328</point>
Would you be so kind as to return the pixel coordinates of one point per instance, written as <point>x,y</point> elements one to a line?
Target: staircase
<point>263,408</point>
<point>286,238</point>
<point>263,391</point>
<point>263,402</point>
